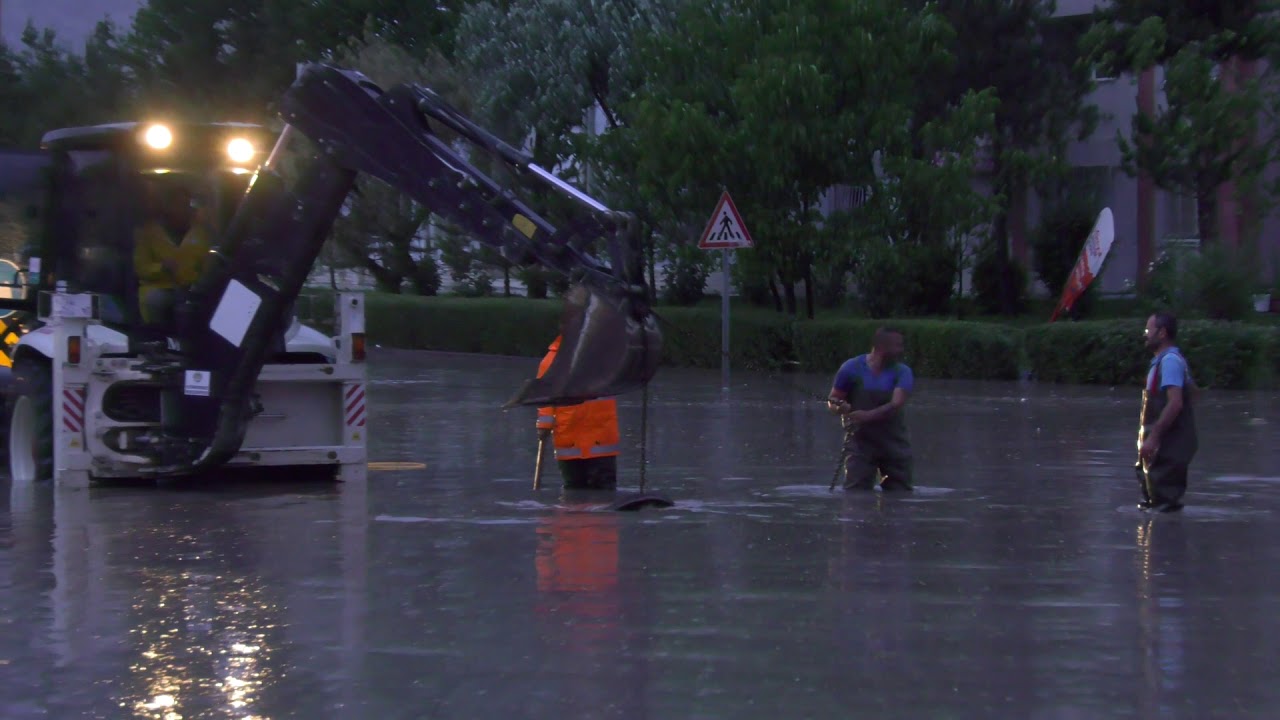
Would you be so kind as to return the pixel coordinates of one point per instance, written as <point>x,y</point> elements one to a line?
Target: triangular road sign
<point>726,231</point>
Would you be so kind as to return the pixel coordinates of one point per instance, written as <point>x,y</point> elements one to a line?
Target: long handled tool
<point>537,468</point>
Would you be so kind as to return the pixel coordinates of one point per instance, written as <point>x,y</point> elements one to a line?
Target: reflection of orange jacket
<point>588,430</point>
<point>577,552</point>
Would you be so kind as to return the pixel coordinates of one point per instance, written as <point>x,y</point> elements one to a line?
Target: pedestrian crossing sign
<point>726,230</point>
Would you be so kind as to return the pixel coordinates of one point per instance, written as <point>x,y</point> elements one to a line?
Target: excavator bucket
<point>609,345</point>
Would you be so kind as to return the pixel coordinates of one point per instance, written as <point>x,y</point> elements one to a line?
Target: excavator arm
<point>239,309</point>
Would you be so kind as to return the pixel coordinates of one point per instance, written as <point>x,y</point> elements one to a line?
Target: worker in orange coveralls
<point>585,437</point>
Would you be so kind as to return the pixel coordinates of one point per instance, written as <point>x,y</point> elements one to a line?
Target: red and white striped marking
<point>355,406</point>
<point>73,408</point>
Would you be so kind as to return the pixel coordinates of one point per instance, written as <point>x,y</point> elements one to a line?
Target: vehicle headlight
<point>157,137</point>
<point>240,150</point>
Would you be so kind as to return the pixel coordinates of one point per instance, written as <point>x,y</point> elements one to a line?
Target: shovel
<point>537,468</point>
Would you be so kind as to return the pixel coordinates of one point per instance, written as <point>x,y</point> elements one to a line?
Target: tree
<point>420,29</point>
<point>1207,132</point>
<point>919,222</point>
<point>44,85</point>
<point>1032,62</point>
<point>544,68</point>
<point>384,230</point>
<point>758,98</point>
<point>228,59</point>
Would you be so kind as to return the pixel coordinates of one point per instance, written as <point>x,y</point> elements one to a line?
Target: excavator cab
<point>100,187</point>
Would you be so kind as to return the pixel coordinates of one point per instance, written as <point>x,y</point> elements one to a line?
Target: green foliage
<point>691,338</point>
<point>459,255</point>
<point>1207,131</point>
<point>1068,216</point>
<point>1111,352</point>
<point>496,326</point>
<point>422,29</point>
<point>1215,283</point>
<point>1028,60</point>
<point>752,276</point>
<point>934,348</point>
<point>43,85</point>
<point>990,273</point>
<point>687,272</point>
<point>1106,352</point>
<point>762,117</point>
<point>759,340</point>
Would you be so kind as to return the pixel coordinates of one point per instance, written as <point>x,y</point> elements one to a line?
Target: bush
<point>1216,283</point>
<point>691,338</point>
<point>1107,352</point>
<point>759,340</point>
<point>1064,227</point>
<point>987,271</point>
<point>1111,352</point>
<point>497,326</point>
<point>934,348</point>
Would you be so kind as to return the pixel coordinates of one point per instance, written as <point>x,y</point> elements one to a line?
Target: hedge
<point>935,348</point>
<point>691,336</point>
<point>1107,352</point>
<point>1111,352</point>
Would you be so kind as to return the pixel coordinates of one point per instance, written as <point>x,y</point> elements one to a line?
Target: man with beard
<point>1167,431</point>
<point>868,393</point>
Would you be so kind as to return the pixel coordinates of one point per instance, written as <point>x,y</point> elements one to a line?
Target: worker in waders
<point>584,436</point>
<point>1167,429</point>
<point>869,393</point>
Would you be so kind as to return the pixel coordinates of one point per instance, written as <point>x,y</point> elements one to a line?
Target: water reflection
<point>1161,545</point>
<point>579,603</point>
<point>179,604</point>
<point>204,643</point>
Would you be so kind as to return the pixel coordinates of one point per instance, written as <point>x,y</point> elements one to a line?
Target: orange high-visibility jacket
<point>582,431</point>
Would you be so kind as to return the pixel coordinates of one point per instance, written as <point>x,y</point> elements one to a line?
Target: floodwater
<point>1019,581</point>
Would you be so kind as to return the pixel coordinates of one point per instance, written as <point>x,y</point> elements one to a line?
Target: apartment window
<point>843,198</point>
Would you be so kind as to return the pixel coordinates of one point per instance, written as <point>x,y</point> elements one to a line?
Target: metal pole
<point>724,319</point>
<point>537,468</point>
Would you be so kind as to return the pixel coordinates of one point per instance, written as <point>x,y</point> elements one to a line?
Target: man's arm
<point>837,399</point>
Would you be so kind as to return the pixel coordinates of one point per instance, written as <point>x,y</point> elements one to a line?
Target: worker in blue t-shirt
<point>1167,439</point>
<point>868,393</point>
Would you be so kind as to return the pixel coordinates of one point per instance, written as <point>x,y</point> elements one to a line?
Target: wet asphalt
<point>1019,581</point>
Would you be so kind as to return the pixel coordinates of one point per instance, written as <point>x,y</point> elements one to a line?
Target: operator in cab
<point>168,253</point>
<point>585,437</point>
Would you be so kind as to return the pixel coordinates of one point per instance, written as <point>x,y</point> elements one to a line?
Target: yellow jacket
<point>152,246</point>
<point>582,431</point>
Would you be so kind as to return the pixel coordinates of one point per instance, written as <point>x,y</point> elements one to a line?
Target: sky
<point>73,20</point>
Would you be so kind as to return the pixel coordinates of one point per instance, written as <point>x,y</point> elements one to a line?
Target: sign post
<point>724,232</point>
<point>1089,264</point>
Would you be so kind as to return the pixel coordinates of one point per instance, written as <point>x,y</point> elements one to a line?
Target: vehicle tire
<point>31,423</point>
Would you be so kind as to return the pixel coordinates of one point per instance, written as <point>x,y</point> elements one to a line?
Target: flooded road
<point>1019,580</point>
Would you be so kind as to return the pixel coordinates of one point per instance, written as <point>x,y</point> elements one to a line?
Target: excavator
<point>230,378</point>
